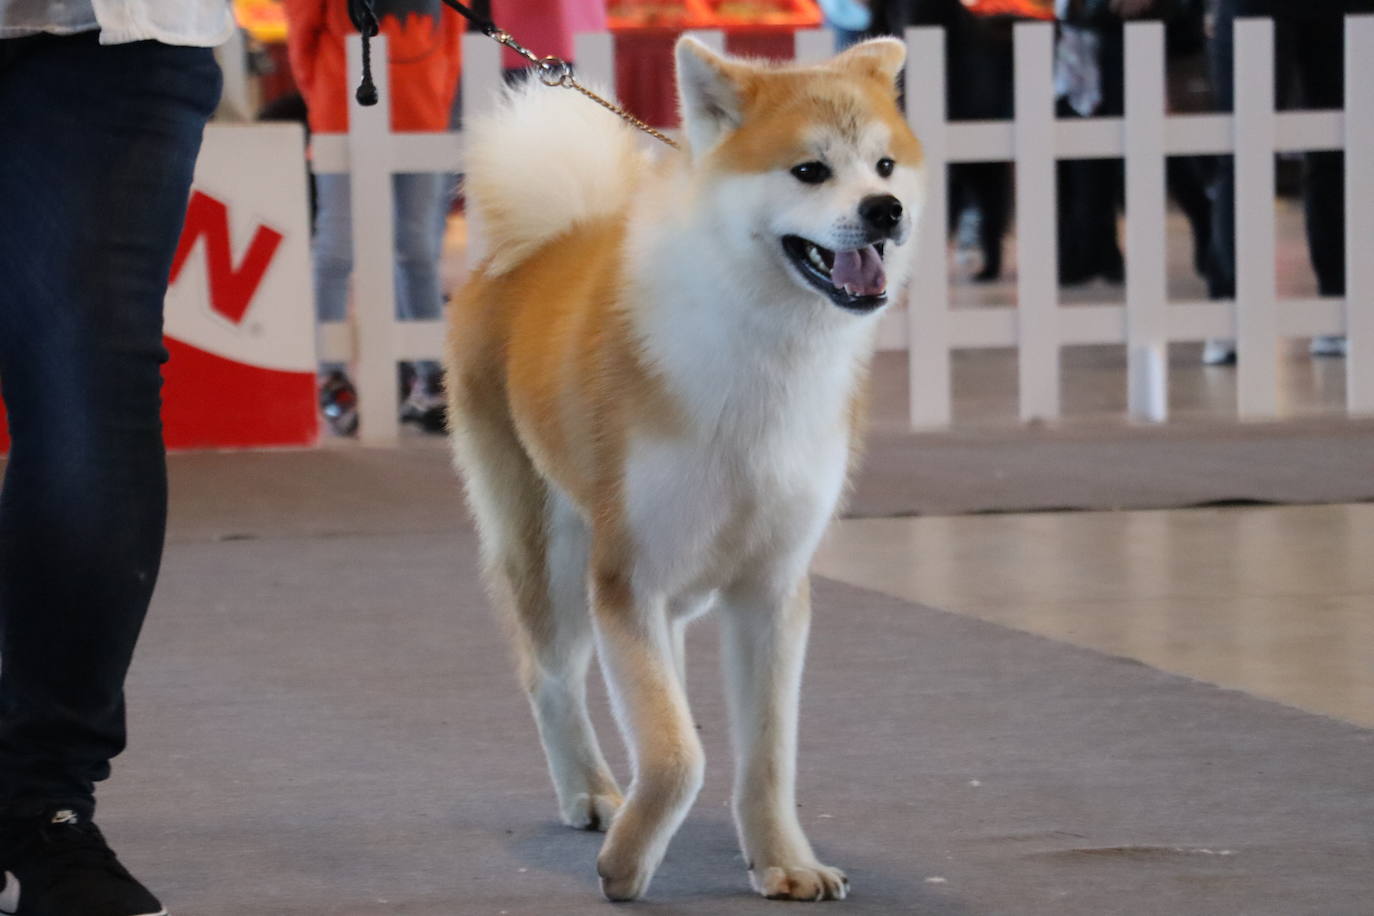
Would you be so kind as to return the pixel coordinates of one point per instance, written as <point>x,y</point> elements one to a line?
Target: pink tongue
<point>860,272</point>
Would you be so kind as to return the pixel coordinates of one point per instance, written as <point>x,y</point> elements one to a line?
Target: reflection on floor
<point>1275,601</point>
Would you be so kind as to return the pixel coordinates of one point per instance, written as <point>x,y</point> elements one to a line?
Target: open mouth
<point>853,280</point>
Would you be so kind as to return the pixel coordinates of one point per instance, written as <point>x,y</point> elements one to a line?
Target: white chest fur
<point>748,490</point>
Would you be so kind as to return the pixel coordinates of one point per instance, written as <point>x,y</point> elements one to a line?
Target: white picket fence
<point>1038,326</point>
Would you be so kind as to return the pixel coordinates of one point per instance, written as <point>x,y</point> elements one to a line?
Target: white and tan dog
<point>655,380</point>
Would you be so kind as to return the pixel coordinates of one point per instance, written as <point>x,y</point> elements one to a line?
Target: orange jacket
<point>424,43</point>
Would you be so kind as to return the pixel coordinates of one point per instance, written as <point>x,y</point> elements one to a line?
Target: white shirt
<point>201,23</point>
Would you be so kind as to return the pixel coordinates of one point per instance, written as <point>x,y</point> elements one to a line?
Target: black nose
<point>881,212</point>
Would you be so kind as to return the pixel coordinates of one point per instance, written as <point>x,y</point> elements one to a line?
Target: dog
<point>656,377</point>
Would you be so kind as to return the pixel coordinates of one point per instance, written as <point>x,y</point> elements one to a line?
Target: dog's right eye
<point>811,172</point>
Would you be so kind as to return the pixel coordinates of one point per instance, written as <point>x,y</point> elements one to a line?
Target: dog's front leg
<point>635,645</point>
<point>763,638</point>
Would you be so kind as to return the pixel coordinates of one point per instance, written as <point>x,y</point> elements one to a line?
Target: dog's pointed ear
<point>881,59</point>
<point>708,93</point>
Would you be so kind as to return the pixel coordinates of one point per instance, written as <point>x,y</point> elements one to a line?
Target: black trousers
<point>1309,45</point>
<point>97,148</point>
<point>1091,190</point>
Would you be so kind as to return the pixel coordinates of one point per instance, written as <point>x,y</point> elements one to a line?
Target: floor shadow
<point>705,873</point>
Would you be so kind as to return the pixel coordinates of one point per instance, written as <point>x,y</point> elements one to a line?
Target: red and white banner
<point>240,321</point>
<point>240,315</point>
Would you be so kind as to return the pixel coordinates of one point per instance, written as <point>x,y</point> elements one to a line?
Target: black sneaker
<point>339,403</point>
<point>422,398</point>
<point>58,865</point>
<point>426,408</point>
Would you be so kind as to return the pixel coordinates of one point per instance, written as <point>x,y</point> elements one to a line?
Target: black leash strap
<point>364,18</point>
<point>553,71</point>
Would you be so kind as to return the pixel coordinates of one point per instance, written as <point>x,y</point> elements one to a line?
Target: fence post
<point>594,58</point>
<point>1257,372</point>
<point>1037,271</point>
<point>712,38</point>
<point>482,84</point>
<point>374,290</point>
<point>1359,214</point>
<point>483,80</point>
<point>812,46</point>
<point>927,316</point>
<point>1147,348</point>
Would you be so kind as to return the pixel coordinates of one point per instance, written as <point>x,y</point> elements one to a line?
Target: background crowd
<point>425,60</point>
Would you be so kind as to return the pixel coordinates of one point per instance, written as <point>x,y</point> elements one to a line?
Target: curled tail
<point>541,161</point>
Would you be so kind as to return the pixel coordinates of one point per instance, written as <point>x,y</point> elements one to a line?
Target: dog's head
<point>813,172</point>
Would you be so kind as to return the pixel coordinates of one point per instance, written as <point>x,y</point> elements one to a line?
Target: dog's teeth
<point>814,255</point>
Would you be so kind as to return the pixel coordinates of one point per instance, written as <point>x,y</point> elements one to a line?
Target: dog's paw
<point>590,812</point>
<point>622,877</point>
<point>800,882</point>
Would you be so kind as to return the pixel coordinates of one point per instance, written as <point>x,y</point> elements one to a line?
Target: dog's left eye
<point>885,166</point>
<point>811,172</point>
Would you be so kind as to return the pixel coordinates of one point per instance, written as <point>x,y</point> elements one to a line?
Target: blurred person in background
<point>978,86</point>
<point>1309,49</point>
<point>848,19</point>
<point>1087,84</point>
<point>424,49</point>
<point>102,107</point>
<point>1090,82</point>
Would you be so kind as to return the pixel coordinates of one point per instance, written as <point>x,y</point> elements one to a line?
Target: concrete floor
<point>329,726</point>
<point>324,721</point>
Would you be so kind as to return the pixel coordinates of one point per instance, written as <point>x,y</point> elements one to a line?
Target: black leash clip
<point>364,17</point>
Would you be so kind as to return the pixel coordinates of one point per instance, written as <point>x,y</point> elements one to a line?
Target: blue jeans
<point>421,200</point>
<point>97,149</point>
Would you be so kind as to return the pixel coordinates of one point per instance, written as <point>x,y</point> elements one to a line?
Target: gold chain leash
<point>554,71</point>
<point>625,115</point>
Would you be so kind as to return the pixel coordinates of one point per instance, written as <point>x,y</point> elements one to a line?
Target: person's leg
<point>1221,257</point>
<point>1107,190</point>
<point>332,249</point>
<point>420,200</point>
<point>1071,188</point>
<point>1087,223</point>
<point>1108,181</point>
<point>957,194</point>
<point>1221,280</point>
<point>95,169</point>
<point>1183,176</point>
<point>991,187</point>
<point>332,264</point>
<point>1319,56</point>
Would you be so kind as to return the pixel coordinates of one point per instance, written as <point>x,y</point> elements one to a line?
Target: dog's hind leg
<point>556,677</point>
<point>636,646</point>
<point>763,644</point>
<point>534,547</point>
<point>681,612</point>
